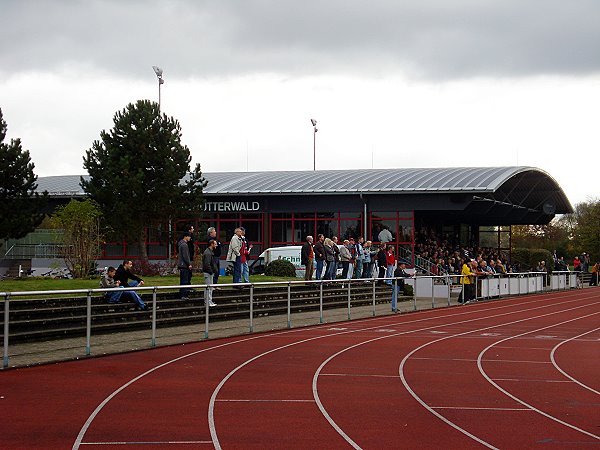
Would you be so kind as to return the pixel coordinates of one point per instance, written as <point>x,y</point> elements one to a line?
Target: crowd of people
<point>323,256</point>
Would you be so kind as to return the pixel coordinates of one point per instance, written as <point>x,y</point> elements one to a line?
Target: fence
<point>259,307</point>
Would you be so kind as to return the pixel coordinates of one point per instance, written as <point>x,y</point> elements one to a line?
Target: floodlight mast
<point>314,124</point>
<point>159,72</point>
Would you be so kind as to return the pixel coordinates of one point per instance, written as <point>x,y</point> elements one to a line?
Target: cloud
<point>433,39</point>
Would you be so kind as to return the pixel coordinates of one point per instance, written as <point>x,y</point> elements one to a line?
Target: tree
<point>140,173</point>
<point>21,207</point>
<point>587,231</point>
<point>80,222</point>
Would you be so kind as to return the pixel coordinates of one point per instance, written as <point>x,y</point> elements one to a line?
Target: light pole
<point>314,124</point>
<point>158,71</point>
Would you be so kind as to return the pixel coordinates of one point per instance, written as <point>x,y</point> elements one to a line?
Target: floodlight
<point>314,122</point>
<point>157,71</point>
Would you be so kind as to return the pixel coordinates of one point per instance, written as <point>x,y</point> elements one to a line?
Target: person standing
<point>234,255</point>
<point>329,258</point>
<point>320,256</point>
<point>184,264</point>
<point>390,259</point>
<point>336,257</point>
<point>467,280</point>
<point>401,273</point>
<point>192,250</point>
<point>245,256</point>
<point>217,251</point>
<point>209,267</point>
<point>360,257</point>
<point>307,256</point>
<point>367,271</point>
<point>381,262</point>
<point>346,258</point>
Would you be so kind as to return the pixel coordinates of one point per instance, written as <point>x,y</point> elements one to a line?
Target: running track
<point>516,373</point>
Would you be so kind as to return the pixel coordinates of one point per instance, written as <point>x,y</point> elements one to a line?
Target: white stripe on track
<point>565,373</point>
<point>515,398</point>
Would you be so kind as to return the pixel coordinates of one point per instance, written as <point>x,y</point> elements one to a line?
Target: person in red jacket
<point>390,259</point>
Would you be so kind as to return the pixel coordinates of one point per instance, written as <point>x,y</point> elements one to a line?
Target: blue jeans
<point>319,269</point>
<point>115,297</point>
<point>237,270</point>
<point>358,268</point>
<point>389,273</point>
<point>245,272</point>
<point>185,278</point>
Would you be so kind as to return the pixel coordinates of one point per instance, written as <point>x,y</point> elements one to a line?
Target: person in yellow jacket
<point>467,280</point>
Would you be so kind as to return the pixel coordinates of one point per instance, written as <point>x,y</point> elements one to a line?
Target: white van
<point>290,253</point>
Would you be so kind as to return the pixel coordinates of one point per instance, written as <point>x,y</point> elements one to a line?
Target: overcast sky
<point>395,83</point>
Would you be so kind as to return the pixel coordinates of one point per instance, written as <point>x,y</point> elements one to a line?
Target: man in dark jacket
<point>307,257</point>
<point>209,267</point>
<point>319,250</point>
<point>401,273</point>
<point>122,276</point>
<point>212,235</point>
<point>184,264</point>
<point>124,273</point>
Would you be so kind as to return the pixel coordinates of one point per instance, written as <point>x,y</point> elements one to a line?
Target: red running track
<point>515,373</point>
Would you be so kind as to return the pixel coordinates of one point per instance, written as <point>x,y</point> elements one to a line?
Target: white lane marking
<point>148,443</point>
<point>99,408</point>
<point>531,381</point>
<point>438,332</point>
<point>474,360</point>
<point>337,329</point>
<point>480,408</point>
<point>545,336</point>
<point>338,428</point>
<point>435,413</point>
<point>490,334</point>
<point>264,401</point>
<point>385,330</point>
<point>522,402</point>
<point>404,320</point>
<point>211,421</point>
<point>552,358</point>
<point>357,375</point>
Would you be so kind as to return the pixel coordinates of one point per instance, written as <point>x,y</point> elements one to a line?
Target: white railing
<point>437,289</point>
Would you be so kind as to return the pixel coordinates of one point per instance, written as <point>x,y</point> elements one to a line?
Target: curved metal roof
<point>523,186</point>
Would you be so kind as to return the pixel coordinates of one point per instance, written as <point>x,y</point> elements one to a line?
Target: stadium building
<point>473,205</point>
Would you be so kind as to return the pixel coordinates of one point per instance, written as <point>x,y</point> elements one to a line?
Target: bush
<point>408,290</point>
<point>280,268</point>
<point>148,269</point>
<point>528,258</point>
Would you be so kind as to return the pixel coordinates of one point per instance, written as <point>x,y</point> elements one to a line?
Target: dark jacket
<point>209,263</point>
<point>382,258</point>
<point>217,251</point>
<point>183,255</point>
<point>305,253</point>
<point>123,276</point>
<point>319,250</point>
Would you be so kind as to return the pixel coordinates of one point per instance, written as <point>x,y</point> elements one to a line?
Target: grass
<point>49,284</point>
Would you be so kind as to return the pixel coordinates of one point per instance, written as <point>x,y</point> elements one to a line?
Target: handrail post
<point>206,316</point>
<point>415,293</point>
<point>153,340</point>
<point>373,282</point>
<point>289,305</point>
<point>251,308</point>
<point>6,312</point>
<point>432,292</point>
<point>448,281</point>
<point>349,282</point>
<point>395,295</point>
<point>88,325</point>
<point>320,301</point>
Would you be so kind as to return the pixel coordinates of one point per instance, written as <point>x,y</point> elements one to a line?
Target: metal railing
<point>428,292</point>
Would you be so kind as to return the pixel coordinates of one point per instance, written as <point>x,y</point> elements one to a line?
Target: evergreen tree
<point>21,207</point>
<point>140,173</point>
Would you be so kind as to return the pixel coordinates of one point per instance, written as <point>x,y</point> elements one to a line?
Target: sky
<point>391,83</point>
